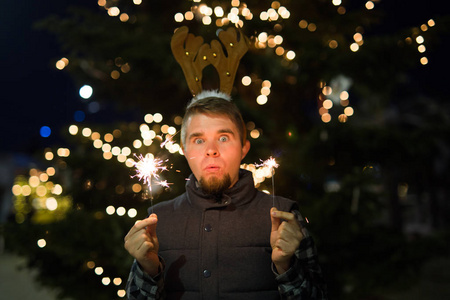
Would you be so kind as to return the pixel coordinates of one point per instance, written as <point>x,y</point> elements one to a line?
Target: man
<point>221,239</point>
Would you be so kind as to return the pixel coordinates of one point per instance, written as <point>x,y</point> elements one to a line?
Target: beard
<point>215,186</point>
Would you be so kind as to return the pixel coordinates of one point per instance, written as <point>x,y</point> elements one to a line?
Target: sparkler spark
<point>148,168</point>
<point>271,164</point>
<point>169,139</point>
<point>164,183</point>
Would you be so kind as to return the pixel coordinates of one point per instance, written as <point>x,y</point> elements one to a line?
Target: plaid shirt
<point>302,281</point>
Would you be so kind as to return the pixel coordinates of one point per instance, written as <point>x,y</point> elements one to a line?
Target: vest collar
<point>239,194</point>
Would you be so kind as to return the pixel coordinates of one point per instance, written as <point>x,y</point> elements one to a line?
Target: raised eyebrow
<point>195,135</point>
<point>226,130</point>
<point>201,134</point>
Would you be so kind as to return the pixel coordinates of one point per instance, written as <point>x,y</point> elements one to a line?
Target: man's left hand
<point>285,238</point>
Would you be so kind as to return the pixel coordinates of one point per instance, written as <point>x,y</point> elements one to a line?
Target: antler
<point>195,56</point>
<point>227,66</point>
<point>187,57</point>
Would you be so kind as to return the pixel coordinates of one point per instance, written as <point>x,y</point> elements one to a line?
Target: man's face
<point>213,150</point>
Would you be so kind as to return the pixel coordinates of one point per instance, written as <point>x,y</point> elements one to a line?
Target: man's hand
<point>285,238</point>
<point>142,243</point>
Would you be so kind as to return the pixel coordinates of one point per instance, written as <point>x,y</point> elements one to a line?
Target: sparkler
<point>169,139</point>
<point>271,164</point>
<point>148,168</point>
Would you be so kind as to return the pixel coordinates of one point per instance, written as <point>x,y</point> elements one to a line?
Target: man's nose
<point>212,150</point>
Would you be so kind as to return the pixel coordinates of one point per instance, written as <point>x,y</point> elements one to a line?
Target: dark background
<point>36,94</point>
<point>398,139</point>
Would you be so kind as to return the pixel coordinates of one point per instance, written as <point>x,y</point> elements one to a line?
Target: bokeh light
<point>79,116</point>
<point>41,243</point>
<point>86,91</point>
<point>45,131</point>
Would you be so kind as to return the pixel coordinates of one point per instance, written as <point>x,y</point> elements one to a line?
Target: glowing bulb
<point>106,280</point>
<point>121,293</point>
<point>45,131</point>
<point>262,37</point>
<point>157,118</point>
<point>73,129</point>
<point>290,55</point>
<point>328,104</point>
<point>348,111</point>
<point>337,2</point>
<point>41,243</point>
<point>132,212</point>
<point>98,270</point>
<point>51,204</point>
<point>261,99</point>
<point>424,60</point>
<point>113,11</point>
<point>179,17</point>
<point>189,15</point>
<point>370,5</point>
<point>326,117</point>
<point>121,211</point>
<point>264,16</point>
<point>110,210</point>
<point>206,20</point>
<point>86,91</point>
<point>246,80</point>
<point>354,47</point>
<point>218,11</point>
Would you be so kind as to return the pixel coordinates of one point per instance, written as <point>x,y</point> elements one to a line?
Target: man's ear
<point>245,149</point>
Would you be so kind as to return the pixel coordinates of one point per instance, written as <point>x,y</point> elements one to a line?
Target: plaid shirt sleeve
<point>140,286</point>
<point>304,279</point>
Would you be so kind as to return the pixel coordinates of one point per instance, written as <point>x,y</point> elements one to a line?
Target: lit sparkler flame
<point>271,164</point>
<point>148,168</point>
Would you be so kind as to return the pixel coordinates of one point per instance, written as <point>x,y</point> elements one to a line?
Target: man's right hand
<point>142,243</point>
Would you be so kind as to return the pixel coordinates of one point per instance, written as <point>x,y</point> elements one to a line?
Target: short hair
<point>216,106</point>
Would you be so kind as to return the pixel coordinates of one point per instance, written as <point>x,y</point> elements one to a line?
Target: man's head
<point>214,141</point>
<point>214,103</point>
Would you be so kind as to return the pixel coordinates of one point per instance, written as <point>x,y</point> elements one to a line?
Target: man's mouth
<point>212,168</point>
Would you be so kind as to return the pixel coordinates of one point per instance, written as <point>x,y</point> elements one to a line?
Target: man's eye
<point>223,138</point>
<point>198,141</point>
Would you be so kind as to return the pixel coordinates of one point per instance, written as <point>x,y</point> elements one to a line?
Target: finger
<point>275,221</point>
<point>151,228</point>
<point>150,220</point>
<point>144,247</point>
<point>139,225</point>
<point>285,247</point>
<point>291,236</point>
<point>287,216</point>
<point>133,242</point>
<point>290,228</point>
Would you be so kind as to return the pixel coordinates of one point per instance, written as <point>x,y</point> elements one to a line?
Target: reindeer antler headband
<point>193,56</point>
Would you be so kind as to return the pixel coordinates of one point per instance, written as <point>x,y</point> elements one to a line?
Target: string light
<point>329,99</point>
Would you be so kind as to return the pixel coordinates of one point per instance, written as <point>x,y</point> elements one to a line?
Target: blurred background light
<point>79,116</point>
<point>86,91</point>
<point>45,131</point>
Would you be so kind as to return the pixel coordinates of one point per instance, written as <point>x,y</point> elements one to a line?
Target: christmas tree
<point>331,89</point>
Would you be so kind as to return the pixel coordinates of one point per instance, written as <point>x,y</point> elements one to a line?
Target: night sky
<point>35,93</point>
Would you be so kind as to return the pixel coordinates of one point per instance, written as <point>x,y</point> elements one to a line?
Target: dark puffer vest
<point>219,250</point>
